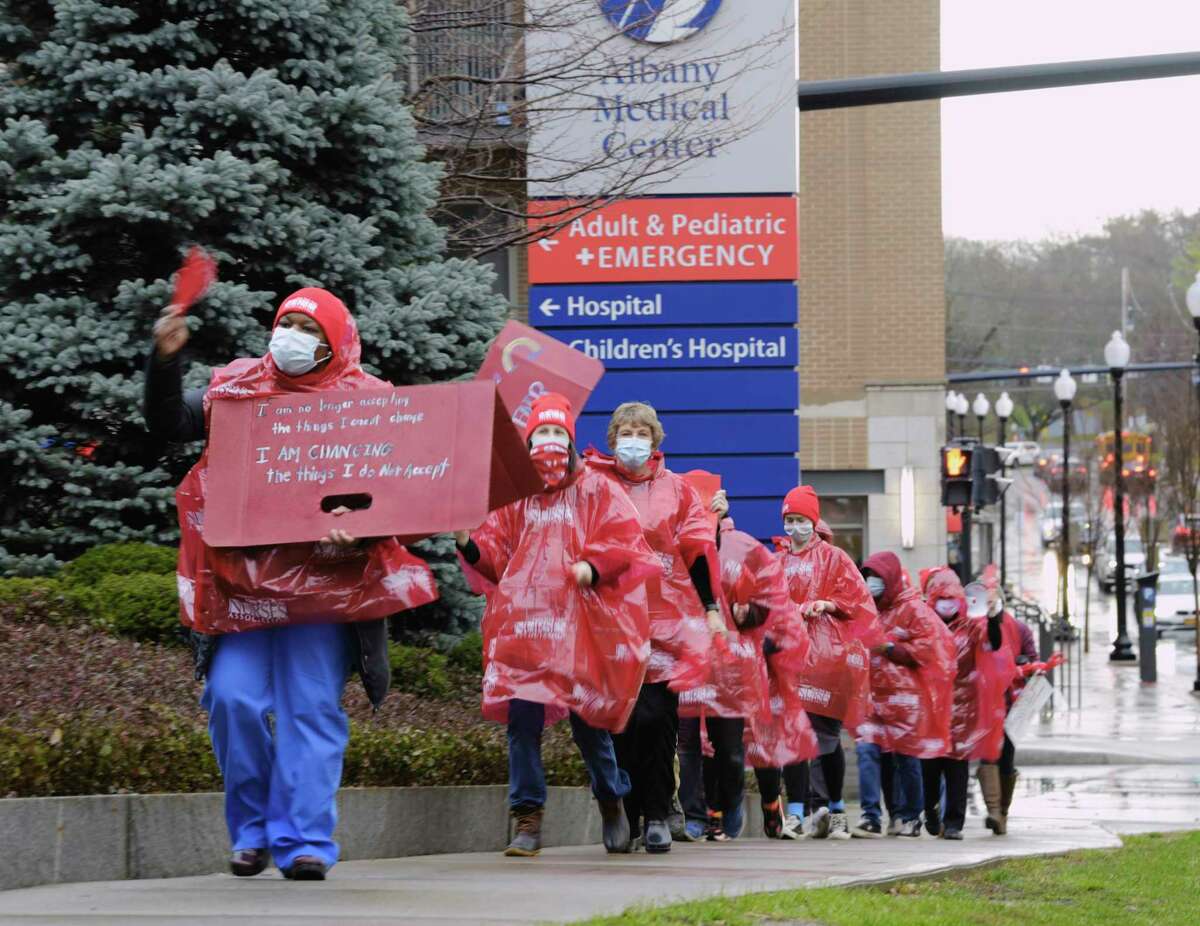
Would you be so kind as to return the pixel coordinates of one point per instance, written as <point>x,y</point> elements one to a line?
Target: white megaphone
<point>977,600</point>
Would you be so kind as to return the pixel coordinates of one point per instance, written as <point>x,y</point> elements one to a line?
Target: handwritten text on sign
<point>407,462</point>
<point>318,442</point>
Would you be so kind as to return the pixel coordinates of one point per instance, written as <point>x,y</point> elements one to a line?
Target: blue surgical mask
<point>633,452</point>
<point>875,586</point>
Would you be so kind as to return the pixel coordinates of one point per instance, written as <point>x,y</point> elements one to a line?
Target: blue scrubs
<point>280,790</point>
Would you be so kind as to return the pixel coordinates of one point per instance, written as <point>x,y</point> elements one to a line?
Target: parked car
<point>1027,452</point>
<point>1173,566</point>
<point>1051,526</point>
<point>1175,606</point>
<point>1187,531</point>
<point>1106,566</point>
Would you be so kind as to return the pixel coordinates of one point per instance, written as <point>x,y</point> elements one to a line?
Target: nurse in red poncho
<point>840,621</point>
<point>684,613</point>
<point>983,671</point>
<point>273,693</point>
<point>566,627</point>
<point>908,717</point>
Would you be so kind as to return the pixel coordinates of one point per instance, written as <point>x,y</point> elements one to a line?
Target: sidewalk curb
<point>1034,756</point>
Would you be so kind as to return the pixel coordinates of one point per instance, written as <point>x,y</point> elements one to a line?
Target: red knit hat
<point>803,501</point>
<point>323,307</point>
<point>550,408</point>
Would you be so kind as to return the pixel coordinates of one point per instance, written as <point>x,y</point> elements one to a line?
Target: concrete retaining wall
<point>114,837</point>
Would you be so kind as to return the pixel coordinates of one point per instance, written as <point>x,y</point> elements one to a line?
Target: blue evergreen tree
<point>272,133</point>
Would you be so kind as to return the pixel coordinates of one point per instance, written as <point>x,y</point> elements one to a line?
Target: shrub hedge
<point>119,559</point>
<point>92,756</point>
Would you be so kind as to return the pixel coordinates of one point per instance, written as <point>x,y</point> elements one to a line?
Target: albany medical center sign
<point>661,97</point>
<point>679,116</point>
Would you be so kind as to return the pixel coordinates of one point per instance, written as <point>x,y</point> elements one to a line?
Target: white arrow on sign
<point>549,307</point>
<point>547,244</point>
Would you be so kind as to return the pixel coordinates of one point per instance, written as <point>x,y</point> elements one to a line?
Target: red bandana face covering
<point>550,460</point>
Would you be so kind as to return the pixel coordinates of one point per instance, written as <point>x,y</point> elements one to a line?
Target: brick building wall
<point>872,305</point>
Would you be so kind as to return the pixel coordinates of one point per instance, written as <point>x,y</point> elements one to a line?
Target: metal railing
<point>1056,635</point>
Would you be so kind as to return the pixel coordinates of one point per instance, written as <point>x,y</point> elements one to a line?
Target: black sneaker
<point>952,834</point>
<point>933,822</point>
<point>867,829</point>
<point>306,868</point>
<point>658,836</point>
<point>246,863</point>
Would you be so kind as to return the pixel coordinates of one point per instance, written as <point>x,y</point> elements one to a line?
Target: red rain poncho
<point>225,590</point>
<point>981,677</point>
<point>737,682</point>
<point>680,532</point>
<point>834,682</point>
<point>545,639</point>
<point>909,710</point>
<point>778,732</point>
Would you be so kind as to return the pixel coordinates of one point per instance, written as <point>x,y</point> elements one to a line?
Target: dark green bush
<point>119,559</point>
<point>40,601</point>
<point>97,756</point>
<point>144,606</point>
<point>467,653</point>
<point>420,671</point>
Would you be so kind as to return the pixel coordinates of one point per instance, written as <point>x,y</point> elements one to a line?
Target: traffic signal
<point>985,463</point>
<point>956,475</point>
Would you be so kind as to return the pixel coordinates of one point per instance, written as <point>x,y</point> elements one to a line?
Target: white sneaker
<point>839,826</point>
<point>894,826</point>
<point>911,828</point>
<point>820,823</point>
<point>793,828</point>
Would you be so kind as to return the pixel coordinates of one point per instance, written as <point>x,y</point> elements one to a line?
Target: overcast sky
<point>1044,162</point>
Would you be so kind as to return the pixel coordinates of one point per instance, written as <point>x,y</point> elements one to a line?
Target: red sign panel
<point>525,363</point>
<point>634,240</point>
<point>408,462</point>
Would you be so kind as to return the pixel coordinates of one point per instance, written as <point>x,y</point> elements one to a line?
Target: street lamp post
<point>951,410</point>
<point>1064,391</point>
<point>960,408</point>
<point>981,408</point>
<point>1004,410</point>
<point>1193,304</point>
<point>1116,355</point>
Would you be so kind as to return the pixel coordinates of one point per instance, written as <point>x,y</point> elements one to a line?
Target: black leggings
<point>957,775</point>
<point>646,751</point>
<point>795,777</point>
<point>716,783</point>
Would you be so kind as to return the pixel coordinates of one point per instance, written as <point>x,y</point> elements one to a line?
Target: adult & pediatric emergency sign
<point>680,239</point>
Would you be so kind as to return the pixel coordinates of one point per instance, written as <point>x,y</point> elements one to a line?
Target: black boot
<point>658,836</point>
<point>617,838</point>
<point>527,841</point>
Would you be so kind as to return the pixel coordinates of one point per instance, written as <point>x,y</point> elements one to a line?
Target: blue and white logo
<point>660,22</point>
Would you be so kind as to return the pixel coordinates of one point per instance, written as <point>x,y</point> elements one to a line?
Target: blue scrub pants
<point>527,779</point>
<point>280,790</point>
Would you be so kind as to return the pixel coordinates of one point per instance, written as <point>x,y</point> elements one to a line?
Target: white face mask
<point>294,352</point>
<point>633,452</point>
<point>946,608</point>
<point>800,531</point>
<point>995,607</point>
<point>543,440</point>
<point>875,586</point>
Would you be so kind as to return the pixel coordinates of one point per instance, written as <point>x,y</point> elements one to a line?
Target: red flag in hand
<point>196,275</point>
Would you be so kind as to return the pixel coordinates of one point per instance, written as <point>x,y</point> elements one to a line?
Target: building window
<point>846,516</point>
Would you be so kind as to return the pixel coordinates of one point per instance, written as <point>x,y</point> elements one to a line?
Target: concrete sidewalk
<point>1057,810</point>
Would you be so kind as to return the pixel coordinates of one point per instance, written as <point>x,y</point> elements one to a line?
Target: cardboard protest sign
<point>707,485</point>
<point>524,364</point>
<point>408,462</point>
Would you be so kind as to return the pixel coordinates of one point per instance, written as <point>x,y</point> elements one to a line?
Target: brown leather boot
<point>989,782</point>
<point>527,840</point>
<point>1008,785</point>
